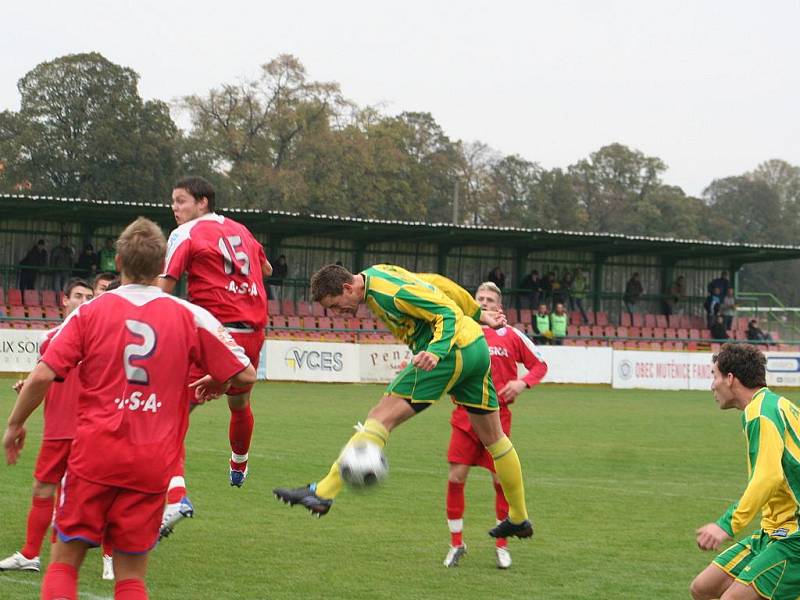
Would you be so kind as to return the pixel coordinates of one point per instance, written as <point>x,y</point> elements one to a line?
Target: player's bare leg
<point>712,582</point>
<point>61,578</point>
<point>509,472</point>
<point>456,479</point>
<point>240,433</point>
<point>390,412</point>
<point>131,570</point>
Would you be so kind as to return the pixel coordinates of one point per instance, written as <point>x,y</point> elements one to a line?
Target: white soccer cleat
<point>454,555</point>
<point>503,558</point>
<point>173,513</point>
<point>108,567</point>
<point>17,562</point>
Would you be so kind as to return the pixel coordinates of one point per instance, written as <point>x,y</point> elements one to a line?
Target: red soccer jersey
<point>61,402</point>
<point>135,346</point>
<point>507,347</point>
<point>223,261</point>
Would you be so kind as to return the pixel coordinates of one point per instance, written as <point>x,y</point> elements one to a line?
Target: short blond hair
<point>492,287</point>
<point>141,249</point>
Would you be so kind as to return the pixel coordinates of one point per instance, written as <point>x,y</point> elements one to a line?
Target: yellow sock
<point>509,472</point>
<point>372,431</point>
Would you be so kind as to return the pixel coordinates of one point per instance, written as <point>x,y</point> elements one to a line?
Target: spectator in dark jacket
<point>497,277</point>
<point>633,292</point>
<point>722,283</point>
<point>31,263</point>
<point>532,290</point>
<point>755,333</point>
<point>718,331</point>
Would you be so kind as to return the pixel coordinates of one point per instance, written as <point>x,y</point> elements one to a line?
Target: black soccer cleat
<point>508,529</point>
<point>306,497</point>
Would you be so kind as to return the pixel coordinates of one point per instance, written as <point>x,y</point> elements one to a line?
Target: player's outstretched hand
<point>425,361</point>
<point>207,388</point>
<point>512,389</point>
<point>18,386</point>
<point>494,318</point>
<point>711,536</point>
<point>13,442</point>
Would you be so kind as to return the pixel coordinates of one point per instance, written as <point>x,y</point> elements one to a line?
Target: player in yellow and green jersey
<point>439,321</point>
<point>765,564</point>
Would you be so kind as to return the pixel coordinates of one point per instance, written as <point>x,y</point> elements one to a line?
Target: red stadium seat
<point>694,334</point>
<point>14,297</point>
<point>339,323</point>
<point>649,320</point>
<point>668,345</point>
<point>647,332</point>
<point>622,332</point>
<point>682,334</point>
<point>293,322</point>
<point>16,311</point>
<point>274,307</point>
<point>670,332</point>
<point>31,298</point>
<point>2,296</point>
<point>317,309</point>
<point>49,298</point>
<point>303,308</point>
<point>679,346</point>
<point>525,316</point>
<point>287,307</point>
<point>658,332</point>
<point>716,346</point>
<point>673,321</point>
<point>638,320</point>
<point>597,331</point>
<point>512,315</point>
<point>618,345</point>
<point>354,323</point>
<point>625,319</point>
<point>572,330</point>
<point>362,312</point>
<point>609,331</point>
<point>369,324</point>
<point>661,321</point>
<point>278,321</point>
<point>685,322</point>
<point>308,322</point>
<point>324,323</point>
<point>51,313</point>
<point>584,331</point>
<point>635,332</point>
<point>601,318</point>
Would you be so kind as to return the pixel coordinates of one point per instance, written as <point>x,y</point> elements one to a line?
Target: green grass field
<point>616,481</point>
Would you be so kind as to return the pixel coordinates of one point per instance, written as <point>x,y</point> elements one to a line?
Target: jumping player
<point>507,347</point>
<point>60,421</point>
<point>135,346</point>
<point>225,268</point>
<point>439,321</point>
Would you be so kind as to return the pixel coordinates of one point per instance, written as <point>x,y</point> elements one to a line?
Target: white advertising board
<point>380,363</point>
<point>311,361</point>
<point>783,369</point>
<point>662,370</point>
<point>569,364</point>
<point>19,349</point>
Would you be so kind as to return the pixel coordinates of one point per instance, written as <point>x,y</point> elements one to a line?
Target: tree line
<point>283,141</point>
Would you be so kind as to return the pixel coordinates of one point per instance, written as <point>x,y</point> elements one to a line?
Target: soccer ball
<point>362,464</point>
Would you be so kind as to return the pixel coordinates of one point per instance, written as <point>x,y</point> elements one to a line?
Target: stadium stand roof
<point>98,213</point>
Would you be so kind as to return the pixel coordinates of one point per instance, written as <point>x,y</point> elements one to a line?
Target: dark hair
<point>114,285</point>
<point>73,283</point>
<point>329,281</point>
<point>104,276</point>
<point>198,188</point>
<point>747,363</point>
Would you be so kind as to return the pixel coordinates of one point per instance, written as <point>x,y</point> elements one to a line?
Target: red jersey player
<point>507,347</point>
<point>60,420</point>
<point>135,346</point>
<point>225,267</point>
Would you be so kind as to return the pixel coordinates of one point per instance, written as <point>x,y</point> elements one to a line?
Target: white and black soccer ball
<point>363,464</point>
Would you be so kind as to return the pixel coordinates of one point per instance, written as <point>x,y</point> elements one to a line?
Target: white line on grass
<point>87,595</point>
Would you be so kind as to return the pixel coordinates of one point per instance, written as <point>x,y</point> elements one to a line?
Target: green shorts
<point>465,373</point>
<point>770,565</point>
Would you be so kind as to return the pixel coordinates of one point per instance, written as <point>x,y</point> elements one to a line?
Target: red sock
<point>501,510</point>
<point>455,512</point>
<point>130,589</point>
<point>60,582</point>
<point>107,549</point>
<point>240,433</point>
<point>177,485</point>
<point>39,518</point>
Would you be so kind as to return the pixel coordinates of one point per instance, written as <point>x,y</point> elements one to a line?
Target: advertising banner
<point>19,349</point>
<point>380,363</point>
<point>311,361</point>
<point>662,370</point>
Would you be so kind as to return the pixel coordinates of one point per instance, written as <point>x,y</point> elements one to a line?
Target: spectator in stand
<point>87,262</point>
<point>567,280</point>
<point>727,308</point>
<point>633,292</point>
<point>711,305</point>
<point>61,260</point>
<point>280,270</point>
<point>718,329</point>
<point>497,277</point>
<point>580,287</point>
<point>532,286</point>
<point>558,323</point>
<point>722,283</point>
<point>676,297</point>
<point>541,325</point>
<point>35,259</point>
<point>755,333</point>
<point>547,288</point>
<point>108,255</point>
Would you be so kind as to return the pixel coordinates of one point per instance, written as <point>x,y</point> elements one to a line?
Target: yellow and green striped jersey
<point>771,426</point>
<point>424,310</point>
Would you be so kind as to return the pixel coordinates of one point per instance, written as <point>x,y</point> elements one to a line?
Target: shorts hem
<point>73,538</point>
<point>409,398</point>
<point>754,586</point>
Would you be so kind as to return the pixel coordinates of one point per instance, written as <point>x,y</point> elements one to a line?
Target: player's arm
<point>266,267</point>
<point>167,283</point>
<point>421,303</point>
<point>765,448</point>
<point>526,353</point>
<point>177,260</point>
<point>30,396</point>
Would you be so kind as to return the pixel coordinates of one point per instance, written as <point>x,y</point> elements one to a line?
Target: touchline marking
<point>87,595</point>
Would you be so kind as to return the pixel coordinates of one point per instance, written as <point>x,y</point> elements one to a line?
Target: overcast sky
<point>710,87</point>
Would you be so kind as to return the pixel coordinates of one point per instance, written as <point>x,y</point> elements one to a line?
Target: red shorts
<point>130,519</point>
<point>466,449</point>
<point>251,342</point>
<point>51,464</point>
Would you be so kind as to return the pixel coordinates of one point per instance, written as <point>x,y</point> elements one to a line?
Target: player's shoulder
<point>186,230</point>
